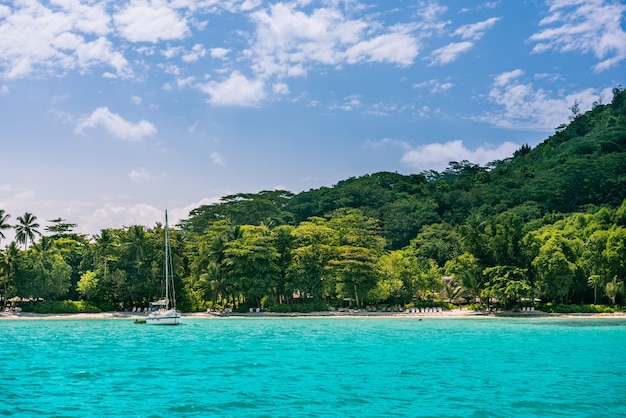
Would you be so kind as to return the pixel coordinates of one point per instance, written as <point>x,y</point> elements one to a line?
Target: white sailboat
<point>163,312</point>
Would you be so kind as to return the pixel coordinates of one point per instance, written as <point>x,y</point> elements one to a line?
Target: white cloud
<point>236,90</point>
<point>280,88</point>
<point>525,107</point>
<point>219,52</point>
<point>434,85</point>
<point>150,21</point>
<point>45,40</point>
<point>475,31</point>
<point>217,159</point>
<point>399,48</point>
<point>450,52</point>
<point>349,103</point>
<point>470,33</point>
<point>140,175</point>
<point>507,77</point>
<point>436,156</point>
<point>115,215</point>
<point>116,125</point>
<point>289,40</point>
<point>585,26</point>
<point>197,51</point>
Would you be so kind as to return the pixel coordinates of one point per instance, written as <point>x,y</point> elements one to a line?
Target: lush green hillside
<point>547,223</point>
<point>582,164</point>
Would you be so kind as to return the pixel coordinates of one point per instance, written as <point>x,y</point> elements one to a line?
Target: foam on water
<point>311,367</point>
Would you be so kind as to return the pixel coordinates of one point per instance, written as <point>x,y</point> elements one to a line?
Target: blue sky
<point>112,111</point>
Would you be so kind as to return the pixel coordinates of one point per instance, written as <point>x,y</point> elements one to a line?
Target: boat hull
<point>163,319</point>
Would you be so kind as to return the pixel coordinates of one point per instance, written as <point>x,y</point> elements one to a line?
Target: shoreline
<point>454,314</point>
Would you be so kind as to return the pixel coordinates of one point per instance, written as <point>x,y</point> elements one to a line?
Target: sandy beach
<point>446,314</point>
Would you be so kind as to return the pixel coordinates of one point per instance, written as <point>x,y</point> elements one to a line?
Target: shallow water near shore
<point>311,367</point>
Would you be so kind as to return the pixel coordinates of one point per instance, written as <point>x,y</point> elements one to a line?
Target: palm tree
<point>26,229</point>
<point>136,241</point>
<point>612,289</point>
<point>8,257</point>
<point>595,281</point>
<point>3,223</point>
<point>473,284</point>
<point>104,243</point>
<point>452,290</point>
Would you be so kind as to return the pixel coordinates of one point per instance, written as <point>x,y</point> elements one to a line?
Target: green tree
<point>466,270</point>
<point>251,262</point>
<point>357,246</point>
<point>43,274</point>
<point>439,241</point>
<point>26,229</point>
<point>508,284</point>
<point>554,271</point>
<point>505,237</point>
<point>613,288</point>
<point>59,227</point>
<point>283,242</point>
<point>8,264</point>
<point>104,248</point>
<point>596,281</point>
<point>354,268</point>
<point>594,260</point>
<point>88,286</point>
<point>311,254</point>
<point>398,270</point>
<point>135,241</point>
<point>616,252</point>
<point>4,225</point>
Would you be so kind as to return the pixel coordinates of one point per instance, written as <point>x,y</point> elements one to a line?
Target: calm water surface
<point>312,367</point>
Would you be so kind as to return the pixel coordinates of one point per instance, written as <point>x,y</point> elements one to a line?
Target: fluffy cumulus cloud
<point>586,26</point>
<point>522,106</point>
<point>116,125</point>
<point>236,90</point>
<point>436,156</point>
<point>289,39</point>
<point>42,40</point>
<point>150,21</point>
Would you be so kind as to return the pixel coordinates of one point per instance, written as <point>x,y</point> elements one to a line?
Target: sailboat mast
<point>167,262</point>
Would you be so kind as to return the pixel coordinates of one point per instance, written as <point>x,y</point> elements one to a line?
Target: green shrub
<point>242,308</point>
<point>560,308</point>
<point>65,307</point>
<point>298,307</point>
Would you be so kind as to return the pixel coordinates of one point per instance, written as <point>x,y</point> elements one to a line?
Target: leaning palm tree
<point>3,223</point>
<point>26,229</point>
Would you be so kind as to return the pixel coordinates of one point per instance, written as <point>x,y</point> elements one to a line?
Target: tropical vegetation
<point>547,225</point>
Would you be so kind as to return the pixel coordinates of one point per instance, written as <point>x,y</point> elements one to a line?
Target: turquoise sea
<point>314,367</point>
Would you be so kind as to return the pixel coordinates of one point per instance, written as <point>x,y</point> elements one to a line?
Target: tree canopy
<point>549,222</point>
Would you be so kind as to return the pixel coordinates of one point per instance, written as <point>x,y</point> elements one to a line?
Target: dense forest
<point>547,225</point>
